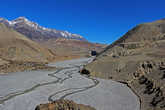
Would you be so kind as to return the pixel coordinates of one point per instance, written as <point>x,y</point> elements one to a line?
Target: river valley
<point>25,90</point>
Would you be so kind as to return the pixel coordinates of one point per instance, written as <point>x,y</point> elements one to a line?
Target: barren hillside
<point>14,46</point>
<point>138,60</point>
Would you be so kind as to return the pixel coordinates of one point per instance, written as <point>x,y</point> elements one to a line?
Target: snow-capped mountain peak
<point>22,18</point>
<point>19,20</point>
<point>35,31</point>
<point>23,21</point>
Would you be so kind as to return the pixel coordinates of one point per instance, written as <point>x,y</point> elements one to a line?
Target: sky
<point>101,21</point>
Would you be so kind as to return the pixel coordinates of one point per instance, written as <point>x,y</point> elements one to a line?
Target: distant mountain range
<point>36,32</point>
<point>62,43</point>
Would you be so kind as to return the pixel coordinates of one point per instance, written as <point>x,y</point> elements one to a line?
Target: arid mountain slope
<point>70,47</point>
<point>15,46</point>
<point>142,33</point>
<point>138,60</point>
<point>62,43</point>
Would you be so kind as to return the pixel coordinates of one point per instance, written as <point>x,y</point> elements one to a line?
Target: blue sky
<point>101,21</point>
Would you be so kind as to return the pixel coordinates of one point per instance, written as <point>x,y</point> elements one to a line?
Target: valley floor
<point>25,90</point>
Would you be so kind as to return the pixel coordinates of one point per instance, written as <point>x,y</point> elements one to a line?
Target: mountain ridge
<point>13,45</point>
<point>137,59</point>
<point>62,43</point>
<point>40,33</point>
<point>153,30</point>
<point>18,53</point>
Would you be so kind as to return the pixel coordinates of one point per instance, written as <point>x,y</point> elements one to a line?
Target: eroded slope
<point>137,59</point>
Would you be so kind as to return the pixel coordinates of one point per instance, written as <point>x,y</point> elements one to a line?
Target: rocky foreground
<point>63,105</point>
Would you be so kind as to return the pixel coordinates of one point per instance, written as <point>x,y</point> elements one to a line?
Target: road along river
<point>25,90</point>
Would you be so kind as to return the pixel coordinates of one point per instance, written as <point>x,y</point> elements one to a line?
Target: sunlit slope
<point>137,59</point>
<point>15,46</point>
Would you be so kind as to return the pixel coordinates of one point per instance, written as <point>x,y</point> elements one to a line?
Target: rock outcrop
<point>63,105</point>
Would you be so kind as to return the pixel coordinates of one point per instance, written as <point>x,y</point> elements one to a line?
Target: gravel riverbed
<point>25,90</point>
